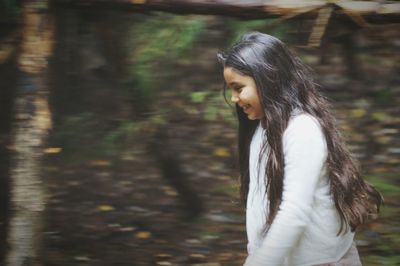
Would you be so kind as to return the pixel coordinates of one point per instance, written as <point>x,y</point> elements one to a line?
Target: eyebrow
<point>234,83</point>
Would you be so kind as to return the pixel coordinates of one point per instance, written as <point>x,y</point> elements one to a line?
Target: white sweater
<point>304,231</point>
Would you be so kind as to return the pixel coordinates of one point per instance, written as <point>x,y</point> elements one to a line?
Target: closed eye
<point>235,86</point>
<point>238,89</point>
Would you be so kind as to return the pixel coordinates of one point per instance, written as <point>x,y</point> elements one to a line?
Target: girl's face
<point>244,93</point>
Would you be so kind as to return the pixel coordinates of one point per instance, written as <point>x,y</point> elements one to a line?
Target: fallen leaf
<point>192,241</point>
<point>381,116</point>
<point>143,235</point>
<point>105,208</point>
<point>225,256</point>
<point>177,103</point>
<point>81,258</point>
<point>197,256</point>
<point>113,225</point>
<point>163,255</point>
<point>138,2</point>
<point>383,139</point>
<point>207,264</point>
<point>224,178</point>
<point>345,127</point>
<point>164,263</point>
<point>74,183</point>
<point>53,150</point>
<point>358,113</point>
<point>394,161</point>
<point>127,229</point>
<point>100,163</point>
<point>221,152</point>
<point>170,191</point>
<point>380,170</point>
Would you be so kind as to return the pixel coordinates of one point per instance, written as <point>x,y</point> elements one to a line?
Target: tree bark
<point>31,122</point>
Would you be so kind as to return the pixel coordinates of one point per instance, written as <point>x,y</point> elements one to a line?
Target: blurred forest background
<point>118,148</point>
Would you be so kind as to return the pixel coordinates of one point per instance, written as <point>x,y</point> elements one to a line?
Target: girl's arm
<point>305,153</point>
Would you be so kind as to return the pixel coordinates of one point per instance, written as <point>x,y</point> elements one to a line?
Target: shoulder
<point>303,123</point>
<point>304,128</point>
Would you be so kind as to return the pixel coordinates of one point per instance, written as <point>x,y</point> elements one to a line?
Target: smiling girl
<point>303,192</point>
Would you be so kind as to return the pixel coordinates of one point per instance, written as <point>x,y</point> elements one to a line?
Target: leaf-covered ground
<point>116,208</point>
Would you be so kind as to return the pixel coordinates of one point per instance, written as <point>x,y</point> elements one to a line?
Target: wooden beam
<point>368,11</point>
<point>320,26</point>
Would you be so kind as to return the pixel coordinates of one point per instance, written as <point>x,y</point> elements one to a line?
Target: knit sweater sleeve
<point>305,153</point>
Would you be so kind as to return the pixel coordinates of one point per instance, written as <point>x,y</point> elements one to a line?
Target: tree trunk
<point>31,123</point>
<point>170,166</point>
<point>7,95</point>
<point>350,57</point>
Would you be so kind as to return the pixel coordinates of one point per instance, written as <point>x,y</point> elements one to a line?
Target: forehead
<point>232,75</point>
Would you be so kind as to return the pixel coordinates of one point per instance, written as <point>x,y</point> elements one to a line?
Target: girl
<point>303,192</point>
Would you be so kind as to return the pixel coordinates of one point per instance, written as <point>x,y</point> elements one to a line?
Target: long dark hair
<point>284,84</point>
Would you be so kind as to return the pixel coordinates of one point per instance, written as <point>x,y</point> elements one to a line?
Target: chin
<point>251,118</point>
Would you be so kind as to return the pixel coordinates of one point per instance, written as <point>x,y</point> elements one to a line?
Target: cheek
<point>257,102</point>
<point>255,98</point>
<point>248,94</point>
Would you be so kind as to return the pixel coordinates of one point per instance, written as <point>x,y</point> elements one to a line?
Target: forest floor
<point>106,212</point>
<point>120,210</point>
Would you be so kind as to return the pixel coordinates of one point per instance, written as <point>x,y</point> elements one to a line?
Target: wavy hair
<point>285,84</point>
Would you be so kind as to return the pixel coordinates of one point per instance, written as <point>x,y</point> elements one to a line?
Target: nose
<point>235,97</point>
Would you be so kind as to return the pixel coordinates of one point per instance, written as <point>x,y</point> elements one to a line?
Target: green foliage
<point>86,136</point>
<point>269,26</point>
<point>79,133</point>
<point>165,35</point>
<point>381,116</point>
<point>199,96</point>
<point>212,106</point>
<point>10,7</point>
<point>238,28</point>
<point>158,40</point>
<point>155,43</point>
<point>383,96</point>
<point>384,186</point>
<point>380,260</point>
